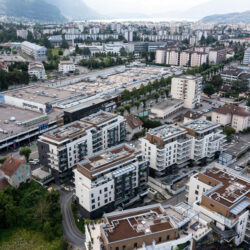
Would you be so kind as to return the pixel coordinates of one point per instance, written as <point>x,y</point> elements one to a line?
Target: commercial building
<point>33,50</point>
<point>237,117</point>
<point>222,197</point>
<point>169,146</point>
<point>15,172</point>
<point>153,227</point>
<point>246,59</point>
<point>187,88</point>
<point>37,69</point>
<point>217,56</point>
<point>112,178</point>
<point>66,67</point>
<point>62,148</point>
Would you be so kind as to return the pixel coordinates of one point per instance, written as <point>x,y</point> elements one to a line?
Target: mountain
<point>31,9</point>
<point>228,18</point>
<point>74,9</point>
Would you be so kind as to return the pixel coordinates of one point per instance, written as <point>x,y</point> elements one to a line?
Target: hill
<point>74,10</point>
<point>31,9</point>
<point>228,18</point>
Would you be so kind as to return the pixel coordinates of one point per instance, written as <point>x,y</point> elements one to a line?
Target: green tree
<point>137,104</point>
<point>209,89</point>
<point>128,107</point>
<point>156,96</point>
<point>228,131</point>
<point>126,95</point>
<point>25,151</point>
<point>144,101</point>
<point>121,110</point>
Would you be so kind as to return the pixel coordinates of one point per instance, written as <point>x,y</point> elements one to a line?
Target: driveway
<point>71,232</point>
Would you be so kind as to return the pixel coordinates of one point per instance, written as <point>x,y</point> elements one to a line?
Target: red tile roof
<point>10,166</point>
<point>232,109</point>
<point>133,122</point>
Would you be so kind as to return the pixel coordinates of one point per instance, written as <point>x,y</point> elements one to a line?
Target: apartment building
<point>168,147</point>
<point>66,67</point>
<point>246,59</point>
<point>222,197</point>
<point>62,148</point>
<point>153,227</point>
<point>33,50</point>
<point>37,69</point>
<point>22,33</point>
<point>217,56</point>
<point>198,58</point>
<point>187,88</point>
<point>112,178</point>
<point>185,58</point>
<point>14,172</point>
<point>160,56</point>
<point>172,57</point>
<point>235,116</point>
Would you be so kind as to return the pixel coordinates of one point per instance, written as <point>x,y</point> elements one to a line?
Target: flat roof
<point>167,131</point>
<point>98,118</point>
<point>131,223</point>
<point>22,116</point>
<point>231,189</point>
<point>167,104</point>
<point>40,94</point>
<point>200,125</point>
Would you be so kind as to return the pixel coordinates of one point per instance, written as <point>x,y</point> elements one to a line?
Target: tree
<point>25,151</point>
<point>228,131</point>
<point>121,110</point>
<point>128,107</point>
<point>137,104</point>
<point>166,90</point>
<point>209,89</point>
<point>126,95</point>
<point>144,100</point>
<point>65,44</point>
<point>156,96</point>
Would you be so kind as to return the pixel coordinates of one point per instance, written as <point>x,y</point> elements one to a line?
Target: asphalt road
<point>71,232</point>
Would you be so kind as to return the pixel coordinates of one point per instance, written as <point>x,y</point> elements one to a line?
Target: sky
<point>150,7</point>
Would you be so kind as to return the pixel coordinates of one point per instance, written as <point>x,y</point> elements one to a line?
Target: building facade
<point>37,69</point>
<point>111,179</point>
<point>66,67</point>
<point>33,50</point>
<point>187,88</point>
<point>62,148</point>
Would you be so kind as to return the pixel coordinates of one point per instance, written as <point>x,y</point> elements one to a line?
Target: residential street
<point>71,232</point>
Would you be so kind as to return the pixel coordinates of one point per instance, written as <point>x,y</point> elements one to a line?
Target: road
<point>71,232</point>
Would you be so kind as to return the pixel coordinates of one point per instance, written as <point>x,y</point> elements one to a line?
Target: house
<point>237,117</point>
<point>37,69</point>
<point>14,171</point>
<point>134,125</point>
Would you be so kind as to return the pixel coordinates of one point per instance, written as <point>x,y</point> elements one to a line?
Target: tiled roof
<point>10,166</point>
<point>133,122</point>
<point>232,109</point>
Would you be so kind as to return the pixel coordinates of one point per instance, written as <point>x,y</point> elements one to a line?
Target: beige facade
<point>160,56</point>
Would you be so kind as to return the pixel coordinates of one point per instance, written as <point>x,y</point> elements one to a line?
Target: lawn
<point>23,239</point>
<point>55,51</point>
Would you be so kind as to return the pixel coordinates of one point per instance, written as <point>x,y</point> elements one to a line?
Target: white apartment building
<point>172,57</point>
<point>129,35</point>
<point>160,56</point>
<point>169,146</point>
<point>221,196</point>
<point>187,88</point>
<point>33,50</point>
<point>237,117</point>
<point>246,59</point>
<point>66,67</point>
<point>22,33</point>
<point>198,58</point>
<point>112,178</point>
<point>184,58</point>
<point>37,69</point>
<point>62,148</point>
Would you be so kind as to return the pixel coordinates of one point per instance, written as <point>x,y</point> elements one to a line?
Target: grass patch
<point>23,239</point>
<point>78,220</point>
<point>55,51</point>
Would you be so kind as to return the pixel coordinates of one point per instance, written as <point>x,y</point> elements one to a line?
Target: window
<point>100,191</point>
<point>93,200</point>
<point>105,189</point>
<point>109,198</point>
<point>93,207</point>
<point>92,195</point>
<point>135,245</point>
<point>27,168</point>
<point>167,237</point>
<point>106,195</point>
<point>159,239</point>
<point>197,186</point>
<point>98,204</point>
<point>124,247</point>
<point>196,192</point>
<point>204,190</point>
<point>98,198</point>
<point>20,171</point>
<point>117,248</point>
<point>111,186</point>
<point>211,205</point>
<point>106,201</point>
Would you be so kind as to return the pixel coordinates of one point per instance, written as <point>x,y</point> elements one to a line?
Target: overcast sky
<point>159,6</point>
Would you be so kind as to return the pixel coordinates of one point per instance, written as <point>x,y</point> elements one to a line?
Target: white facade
<point>184,58</point>
<point>160,56</point>
<point>33,50</point>
<point>172,57</point>
<point>37,69</point>
<point>66,67</point>
<point>246,59</point>
<point>22,33</point>
<point>187,88</point>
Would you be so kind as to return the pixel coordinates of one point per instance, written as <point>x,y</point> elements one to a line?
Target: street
<point>71,232</point>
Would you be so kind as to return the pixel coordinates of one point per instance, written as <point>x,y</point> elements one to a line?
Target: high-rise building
<point>160,56</point>
<point>110,179</point>
<point>217,55</point>
<point>246,59</point>
<point>62,148</point>
<point>187,88</point>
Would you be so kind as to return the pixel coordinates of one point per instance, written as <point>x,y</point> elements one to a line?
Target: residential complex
<point>37,69</point>
<point>169,147</point>
<point>113,178</point>
<point>66,67</point>
<point>217,56</point>
<point>62,148</point>
<point>153,227</point>
<point>222,197</point>
<point>246,59</point>
<point>235,116</point>
<point>33,50</point>
<point>187,88</point>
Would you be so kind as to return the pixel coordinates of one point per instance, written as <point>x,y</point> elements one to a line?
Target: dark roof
<point>3,183</point>
<point>233,72</point>
<point>10,166</point>
<point>133,122</point>
<point>232,109</point>
<point>192,115</point>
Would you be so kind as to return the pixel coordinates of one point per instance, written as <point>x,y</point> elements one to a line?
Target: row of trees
<point>31,207</point>
<point>12,78</point>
